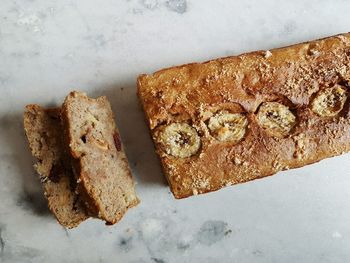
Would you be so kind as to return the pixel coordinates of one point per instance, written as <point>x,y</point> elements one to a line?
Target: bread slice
<point>236,119</point>
<point>43,130</point>
<point>103,174</point>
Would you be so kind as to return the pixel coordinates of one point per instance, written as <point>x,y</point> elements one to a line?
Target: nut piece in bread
<point>293,100</point>
<point>101,168</point>
<point>43,130</point>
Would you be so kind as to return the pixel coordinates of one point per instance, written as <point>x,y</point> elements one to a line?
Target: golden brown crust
<point>292,76</point>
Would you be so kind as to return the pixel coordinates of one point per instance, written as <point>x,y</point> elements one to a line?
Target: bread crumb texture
<point>103,174</point>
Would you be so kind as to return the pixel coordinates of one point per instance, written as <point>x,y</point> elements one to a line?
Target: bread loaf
<point>236,119</point>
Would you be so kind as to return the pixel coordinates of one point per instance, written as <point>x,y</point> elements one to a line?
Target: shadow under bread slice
<point>44,132</point>
<point>235,119</point>
<point>102,170</point>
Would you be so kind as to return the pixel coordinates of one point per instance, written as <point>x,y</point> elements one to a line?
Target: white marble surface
<point>48,48</point>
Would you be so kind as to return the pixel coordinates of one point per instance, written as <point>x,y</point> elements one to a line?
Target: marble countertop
<point>48,48</point>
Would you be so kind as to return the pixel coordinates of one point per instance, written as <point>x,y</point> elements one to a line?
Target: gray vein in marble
<point>125,243</point>
<point>160,235</point>
<point>257,252</point>
<point>178,6</point>
<point>2,243</point>
<point>183,246</point>
<point>24,55</point>
<point>22,254</point>
<point>212,231</point>
<point>150,4</point>
<point>98,41</point>
<point>158,260</point>
<point>137,11</point>
<point>140,260</point>
<point>29,253</point>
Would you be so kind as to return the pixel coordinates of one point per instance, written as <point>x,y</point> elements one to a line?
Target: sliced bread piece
<point>44,133</point>
<point>103,173</point>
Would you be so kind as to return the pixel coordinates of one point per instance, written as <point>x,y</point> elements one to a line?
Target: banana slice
<point>179,140</point>
<point>226,126</point>
<point>276,118</point>
<point>329,102</point>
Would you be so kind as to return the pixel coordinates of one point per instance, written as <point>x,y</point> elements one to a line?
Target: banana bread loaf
<point>102,170</point>
<point>236,119</point>
<point>43,130</point>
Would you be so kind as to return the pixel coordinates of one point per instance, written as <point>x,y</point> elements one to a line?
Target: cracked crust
<point>298,73</point>
<point>101,168</point>
<point>43,130</point>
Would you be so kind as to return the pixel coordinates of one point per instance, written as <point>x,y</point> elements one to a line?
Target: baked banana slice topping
<point>276,118</point>
<point>329,102</point>
<point>179,140</point>
<point>226,126</point>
